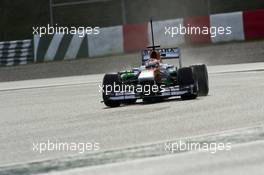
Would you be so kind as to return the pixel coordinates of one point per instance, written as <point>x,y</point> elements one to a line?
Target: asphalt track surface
<point>132,138</point>
<point>243,160</point>
<point>69,110</point>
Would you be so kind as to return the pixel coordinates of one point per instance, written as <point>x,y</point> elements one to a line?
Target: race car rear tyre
<point>110,80</point>
<point>185,78</point>
<point>201,76</point>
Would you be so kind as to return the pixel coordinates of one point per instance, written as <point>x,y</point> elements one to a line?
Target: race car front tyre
<point>108,82</point>
<point>201,76</point>
<point>185,78</point>
<point>129,102</point>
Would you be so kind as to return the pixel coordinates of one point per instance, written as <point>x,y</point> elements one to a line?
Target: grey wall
<point>18,16</point>
<point>141,11</point>
<point>101,13</point>
<point>221,6</point>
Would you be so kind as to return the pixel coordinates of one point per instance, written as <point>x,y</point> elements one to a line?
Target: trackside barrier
<point>128,38</point>
<point>253,24</point>
<point>16,52</point>
<point>234,20</point>
<point>59,47</point>
<point>135,37</point>
<point>109,41</point>
<point>159,33</point>
<point>200,21</point>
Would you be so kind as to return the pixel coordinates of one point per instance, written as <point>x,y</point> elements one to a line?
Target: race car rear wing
<point>165,53</point>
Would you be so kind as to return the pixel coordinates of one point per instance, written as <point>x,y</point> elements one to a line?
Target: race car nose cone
<point>146,75</point>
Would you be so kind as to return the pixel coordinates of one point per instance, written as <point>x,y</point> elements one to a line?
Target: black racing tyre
<point>185,78</point>
<point>148,100</point>
<point>188,96</point>
<point>201,76</point>
<point>110,80</point>
<point>130,101</point>
<point>152,100</point>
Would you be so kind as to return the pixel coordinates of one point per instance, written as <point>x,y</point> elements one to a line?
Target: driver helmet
<point>155,55</point>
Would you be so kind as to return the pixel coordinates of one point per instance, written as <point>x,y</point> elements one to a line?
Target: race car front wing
<point>165,93</point>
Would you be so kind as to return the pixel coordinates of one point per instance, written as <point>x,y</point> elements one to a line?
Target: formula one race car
<point>155,80</point>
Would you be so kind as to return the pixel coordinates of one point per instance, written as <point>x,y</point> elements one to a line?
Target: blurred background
<point>18,17</point>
